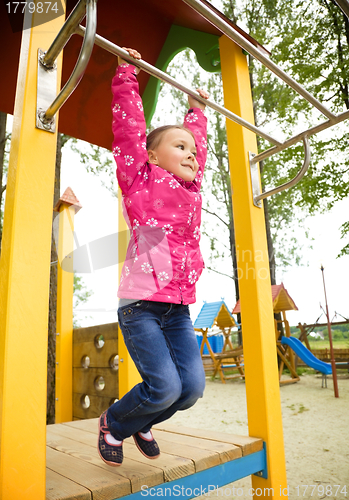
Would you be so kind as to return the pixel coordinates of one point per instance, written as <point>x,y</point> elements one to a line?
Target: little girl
<point>160,178</point>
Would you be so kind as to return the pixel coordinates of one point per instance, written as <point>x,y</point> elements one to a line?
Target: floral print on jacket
<point>163,212</point>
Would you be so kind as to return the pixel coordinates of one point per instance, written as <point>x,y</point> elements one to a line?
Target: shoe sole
<point>144,454</point>
<point>112,464</point>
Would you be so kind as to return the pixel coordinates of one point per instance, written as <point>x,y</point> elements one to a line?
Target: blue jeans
<point>161,341</point>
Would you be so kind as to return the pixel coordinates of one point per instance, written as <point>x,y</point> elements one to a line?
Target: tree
<point>319,62</point>
<point>310,41</point>
<point>81,295</point>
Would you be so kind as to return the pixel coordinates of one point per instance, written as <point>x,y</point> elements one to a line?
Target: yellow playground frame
<point>25,270</point>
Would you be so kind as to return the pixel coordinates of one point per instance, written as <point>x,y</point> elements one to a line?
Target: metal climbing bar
<point>344,5</point>
<point>46,88</point>
<point>299,137</point>
<point>219,22</point>
<point>257,195</point>
<point>234,35</point>
<point>68,29</point>
<point>152,70</point>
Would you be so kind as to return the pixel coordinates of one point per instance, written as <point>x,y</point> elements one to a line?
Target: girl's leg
<point>142,328</point>
<point>185,352</point>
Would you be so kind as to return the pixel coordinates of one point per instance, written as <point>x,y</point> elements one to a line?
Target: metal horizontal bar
<point>226,29</point>
<point>80,67</point>
<point>152,70</point>
<point>344,5</point>
<point>290,183</point>
<point>299,137</point>
<point>67,30</point>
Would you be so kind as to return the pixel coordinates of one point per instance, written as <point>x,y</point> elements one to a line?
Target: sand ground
<point>316,433</point>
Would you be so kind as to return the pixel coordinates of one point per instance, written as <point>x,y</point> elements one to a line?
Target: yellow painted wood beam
<point>24,282</point>
<point>128,373</point>
<point>262,383</point>
<point>67,207</point>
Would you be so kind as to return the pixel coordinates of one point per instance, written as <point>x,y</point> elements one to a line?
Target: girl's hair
<point>155,136</point>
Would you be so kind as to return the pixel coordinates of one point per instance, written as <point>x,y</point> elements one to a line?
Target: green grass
<point>325,344</point>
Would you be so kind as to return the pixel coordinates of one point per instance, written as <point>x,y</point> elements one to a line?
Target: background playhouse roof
<point>282,301</point>
<point>214,313</point>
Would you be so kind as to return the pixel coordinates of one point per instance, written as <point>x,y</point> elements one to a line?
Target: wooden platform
<point>190,459</point>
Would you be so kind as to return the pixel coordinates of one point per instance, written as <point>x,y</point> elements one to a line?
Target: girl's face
<point>176,153</point>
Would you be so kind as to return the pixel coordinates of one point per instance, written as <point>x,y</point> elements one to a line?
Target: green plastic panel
<point>206,48</point>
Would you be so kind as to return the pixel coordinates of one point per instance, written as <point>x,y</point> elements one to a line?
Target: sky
<point>98,218</point>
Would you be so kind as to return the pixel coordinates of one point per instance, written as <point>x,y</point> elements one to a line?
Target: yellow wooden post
<point>67,206</point>
<point>24,282</point>
<point>262,383</point>
<point>128,373</point>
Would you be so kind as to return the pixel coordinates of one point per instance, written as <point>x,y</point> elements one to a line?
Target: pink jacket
<point>163,212</point>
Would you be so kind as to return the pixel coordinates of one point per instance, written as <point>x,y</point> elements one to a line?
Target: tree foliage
<point>310,41</point>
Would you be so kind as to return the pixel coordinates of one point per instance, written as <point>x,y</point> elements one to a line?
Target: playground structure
<point>30,86</point>
<point>282,302</point>
<point>95,370</point>
<point>289,349</point>
<point>216,315</point>
<point>341,356</point>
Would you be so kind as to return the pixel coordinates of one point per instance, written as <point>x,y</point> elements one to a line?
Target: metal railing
<point>234,35</point>
<point>90,37</point>
<point>152,70</point>
<point>254,159</point>
<point>344,5</point>
<point>47,60</point>
<point>257,195</point>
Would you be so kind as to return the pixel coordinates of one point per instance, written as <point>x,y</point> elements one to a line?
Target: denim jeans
<point>161,341</point>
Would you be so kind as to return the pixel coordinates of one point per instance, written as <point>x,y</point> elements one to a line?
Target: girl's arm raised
<point>196,121</point>
<point>129,145</point>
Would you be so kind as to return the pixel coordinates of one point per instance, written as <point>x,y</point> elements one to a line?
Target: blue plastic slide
<point>308,358</point>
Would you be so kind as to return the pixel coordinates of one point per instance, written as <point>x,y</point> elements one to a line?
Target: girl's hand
<point>193,103</point>
<point>133,53</point>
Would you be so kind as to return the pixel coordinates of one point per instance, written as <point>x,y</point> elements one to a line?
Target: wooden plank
<point>84,381</point>
<point>75,469</point>
<point>98,357</point>
<point>60,488</point>
<point>109,331</point>
<point>205,453</point>
<point>246,443</point>
<point>229,354</point>
<point>97,406</point>
<point>173,467</point>
<point>62,439</point>
<point>104,484</point>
